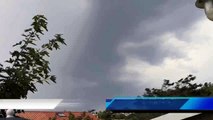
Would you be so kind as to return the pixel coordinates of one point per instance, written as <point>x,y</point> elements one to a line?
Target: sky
<point>114,47</point>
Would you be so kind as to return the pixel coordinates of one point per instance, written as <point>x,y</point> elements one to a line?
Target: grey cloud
<point>90,66</point>
<point>112,20</point>
<point>176,17</point>
<point>154,53</point>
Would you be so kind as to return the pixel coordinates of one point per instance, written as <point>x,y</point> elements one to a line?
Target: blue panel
<point>160,104</point>
<point>198,104</point>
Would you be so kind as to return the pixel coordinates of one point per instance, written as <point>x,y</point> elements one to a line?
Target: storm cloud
<point>101,35</point>
<point>95,74</point>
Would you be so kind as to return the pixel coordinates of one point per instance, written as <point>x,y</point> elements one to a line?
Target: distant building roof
<point>46,115</point>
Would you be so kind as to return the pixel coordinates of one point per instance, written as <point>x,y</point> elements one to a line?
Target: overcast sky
<point>115,47</point>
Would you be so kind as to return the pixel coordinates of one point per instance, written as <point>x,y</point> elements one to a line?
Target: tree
<point>105,115</point>
<point>183,87</point>
<point>28,64</point>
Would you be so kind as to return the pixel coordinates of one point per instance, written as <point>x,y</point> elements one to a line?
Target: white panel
<point>29,103</point>
<point>175,116</point>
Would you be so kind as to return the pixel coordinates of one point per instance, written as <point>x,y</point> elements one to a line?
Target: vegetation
<point>105,115</point>
<point>28,64</point>
<point>183,87</point>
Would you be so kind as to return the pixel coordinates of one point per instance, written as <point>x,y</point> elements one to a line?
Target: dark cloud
<point>154,53</point>
<point>111,22</point>
<point>90,72</point>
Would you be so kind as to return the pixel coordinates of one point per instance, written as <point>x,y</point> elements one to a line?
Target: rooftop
<point>46,115</point>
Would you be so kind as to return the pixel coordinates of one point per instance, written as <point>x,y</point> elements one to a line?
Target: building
<point>47,115</point>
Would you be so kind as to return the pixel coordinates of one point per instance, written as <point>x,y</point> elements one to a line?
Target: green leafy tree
<point>28,64</point>
<point>183,87</point>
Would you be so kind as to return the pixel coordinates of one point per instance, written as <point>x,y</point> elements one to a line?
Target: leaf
<point>48,68</point>
<point>15,53</point>
<point>47,76</point>
<point>53,78</point>
<point>43,53</point>
<point>9,61</point>
<point>39,81</point>
<point>24,35</point>
<point>50,48</point>
<point>56,46</point>
<point>37,36</point>
<point>47,82</point>
<point>44,45</point>
<point>19,43</point>
<point>41,75</point>
<point>32,43</point>
<point>60,39</point>
<point>23,47</point>
<point>38,62</point>
<point>27,30</point>
<point>33,86</point>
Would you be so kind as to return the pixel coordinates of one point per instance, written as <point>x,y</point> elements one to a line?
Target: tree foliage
<point>105,115</point>
<point>183,87</point>
<point>28,64</point>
